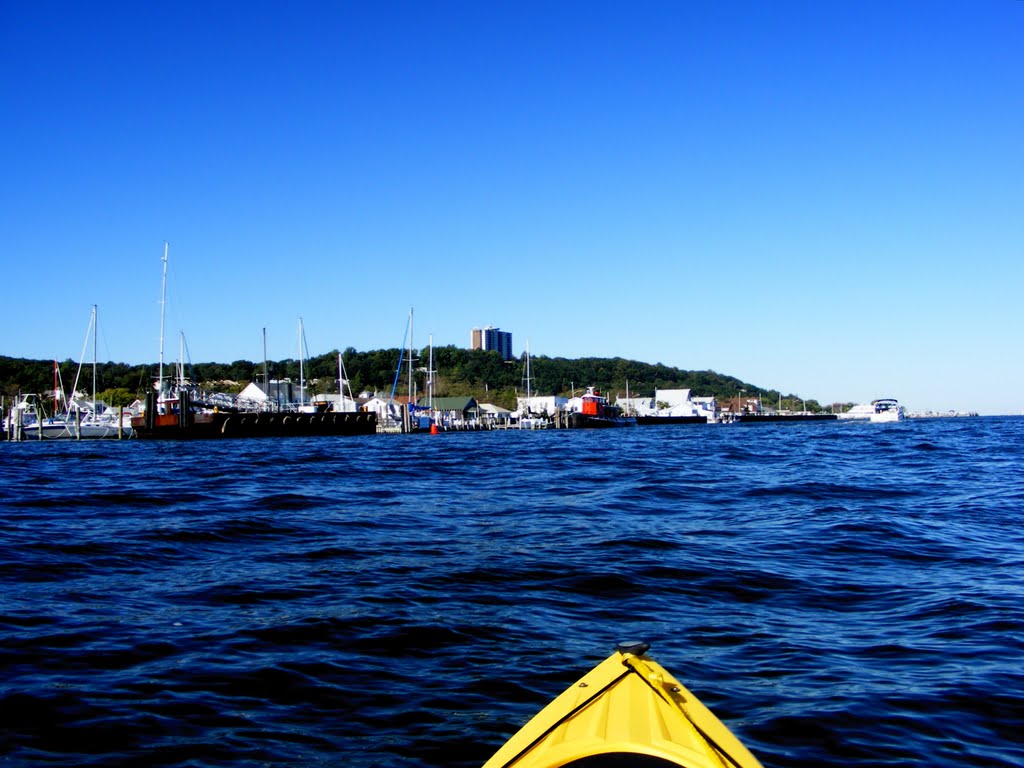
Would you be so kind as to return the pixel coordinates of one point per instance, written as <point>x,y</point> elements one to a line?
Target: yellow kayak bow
<point>626,712</point>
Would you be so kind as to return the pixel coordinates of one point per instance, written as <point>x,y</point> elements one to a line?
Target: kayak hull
<point>627,711</point>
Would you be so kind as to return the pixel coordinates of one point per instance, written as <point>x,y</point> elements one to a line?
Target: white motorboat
<point>886,410</point>
<point>881,410</point>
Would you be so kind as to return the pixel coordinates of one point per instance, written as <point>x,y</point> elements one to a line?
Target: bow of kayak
<point>627,711</point>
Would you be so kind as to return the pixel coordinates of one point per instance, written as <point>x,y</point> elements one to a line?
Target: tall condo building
<point>492,338</point>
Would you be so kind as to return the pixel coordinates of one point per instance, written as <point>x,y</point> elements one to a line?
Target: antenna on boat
<point>163,304</point>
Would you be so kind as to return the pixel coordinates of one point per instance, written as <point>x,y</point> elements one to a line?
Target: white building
<point>494,414</point>
<point>540,406</point>
<point>379,405</point>
<point>338,403</point>
<point>669,402</point>
<point>253,397</point>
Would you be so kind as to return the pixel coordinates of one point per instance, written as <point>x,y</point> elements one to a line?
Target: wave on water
<point>836,592</point>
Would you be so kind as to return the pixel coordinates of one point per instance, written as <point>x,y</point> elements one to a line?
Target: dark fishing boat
<point>782,418</point>
<point>180,419</point>
<point>647,421</point>
<point>175,410</point>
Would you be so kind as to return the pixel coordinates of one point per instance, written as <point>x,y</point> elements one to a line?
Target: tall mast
<point>430,375</point>
<point>266,375</point>
<point>529,394</point>
<point>163,303</point>
<point>410,360</point>
<point>95,324</point>
<point>302,380</point>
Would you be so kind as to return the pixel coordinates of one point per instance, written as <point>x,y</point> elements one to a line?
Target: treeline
<point>457,371</point>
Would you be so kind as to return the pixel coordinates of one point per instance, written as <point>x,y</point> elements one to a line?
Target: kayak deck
<point>627,711</point>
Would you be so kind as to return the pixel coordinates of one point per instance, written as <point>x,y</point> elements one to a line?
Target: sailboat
<point>395,415</point>
<point>303,407</point>
<point>433,419</point>
<point>342,405</point>
<point>526,418</point>
<point>81,419</point>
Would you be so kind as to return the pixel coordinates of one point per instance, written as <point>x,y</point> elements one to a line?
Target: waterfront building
<point>456,411</point>
<point>546,405</point>
<point>669,402</point>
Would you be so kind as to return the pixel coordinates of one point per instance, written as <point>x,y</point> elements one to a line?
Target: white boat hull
<point>60,430</point>
<point>887,417</point>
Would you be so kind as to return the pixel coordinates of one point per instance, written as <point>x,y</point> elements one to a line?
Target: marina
<point>176,407</point>
<point>187,413</point>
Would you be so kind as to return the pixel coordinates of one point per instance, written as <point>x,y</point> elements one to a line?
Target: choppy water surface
<point>840,594</point>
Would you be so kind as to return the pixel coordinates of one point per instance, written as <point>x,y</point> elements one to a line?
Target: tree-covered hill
<point>457,371</point>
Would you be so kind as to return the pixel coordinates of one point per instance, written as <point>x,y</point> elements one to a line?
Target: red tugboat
<point>595,412</point>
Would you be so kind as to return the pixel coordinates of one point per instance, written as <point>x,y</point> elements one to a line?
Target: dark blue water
<point>840,594</point>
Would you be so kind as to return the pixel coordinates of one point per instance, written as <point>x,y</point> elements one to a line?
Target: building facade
<point>490,338</point>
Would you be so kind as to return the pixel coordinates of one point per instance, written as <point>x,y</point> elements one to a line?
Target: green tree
<point>116,397</point>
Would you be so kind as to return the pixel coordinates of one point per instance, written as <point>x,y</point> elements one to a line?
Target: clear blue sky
<point>821,197</point>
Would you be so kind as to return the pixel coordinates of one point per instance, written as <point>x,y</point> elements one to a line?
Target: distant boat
<point>178,415</point>
<point>862,411</point>
<point>81,419</point>
<point>527,419</point>
<point>671,406</point>
<point>887,410</point>
<point>782,418</point>
<point>596,412</point>
<point>884,409</point>
<point>82,422</point>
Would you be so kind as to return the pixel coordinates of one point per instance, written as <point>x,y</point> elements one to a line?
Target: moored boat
<point>782,418</point>
<point>78,425</point>
<point>79,419</point>
<point>661,420</point>
<point>670,406</point>
<point>525,417</point>
<point>594,411</point>
<point>82,421</point>
<point>180,419</point>
<point>627,711</point>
